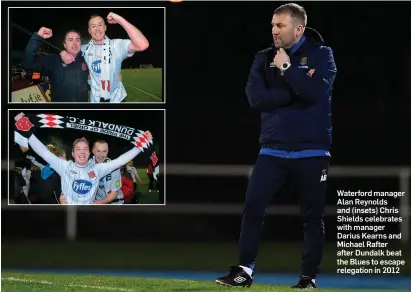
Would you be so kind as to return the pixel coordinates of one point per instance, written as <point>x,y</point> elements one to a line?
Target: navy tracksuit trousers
<point>268,176</point>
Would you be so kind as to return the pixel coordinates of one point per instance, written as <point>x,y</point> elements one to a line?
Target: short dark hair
<point>71,30</point>
<point>296,12</point>
<point>100,142</point>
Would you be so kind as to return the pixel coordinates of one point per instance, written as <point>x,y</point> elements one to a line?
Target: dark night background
<point>138,119</point>
<point>61,20</point>
<point>210,48</point>
<point>152,120</point>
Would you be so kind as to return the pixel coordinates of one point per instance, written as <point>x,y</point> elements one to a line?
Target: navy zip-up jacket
<point>295,108</point>
<point>69,83</point>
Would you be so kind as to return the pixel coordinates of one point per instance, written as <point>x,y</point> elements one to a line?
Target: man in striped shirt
<point>109,191</point>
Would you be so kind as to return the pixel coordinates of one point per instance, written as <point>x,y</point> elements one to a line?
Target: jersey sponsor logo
<point>81,186</point>
<point>117,183</point>
<point>24,124</point>
<point>96,66</point>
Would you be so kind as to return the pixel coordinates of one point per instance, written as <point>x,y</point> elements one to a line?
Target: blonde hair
<point>51,148</point>
<point>81,140</point>
<point>95,16</point>
<point>59,152</point>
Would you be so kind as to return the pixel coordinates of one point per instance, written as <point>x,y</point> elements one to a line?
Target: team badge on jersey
<point>91,174</point>
<point>83,67</point>
<point>303,61</point>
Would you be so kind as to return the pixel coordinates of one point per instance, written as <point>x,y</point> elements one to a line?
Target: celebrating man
<point>79,179</point>
<point>104,57</point>
<point>68,82</point>
<point>109,191</point>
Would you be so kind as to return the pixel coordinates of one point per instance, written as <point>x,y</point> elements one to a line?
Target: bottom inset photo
<point>86,157</point>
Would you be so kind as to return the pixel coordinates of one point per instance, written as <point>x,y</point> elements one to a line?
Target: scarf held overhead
<point>135,136</point>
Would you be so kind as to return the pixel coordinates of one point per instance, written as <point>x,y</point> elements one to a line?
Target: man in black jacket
<point>291,84</point>
<point>69,82</point>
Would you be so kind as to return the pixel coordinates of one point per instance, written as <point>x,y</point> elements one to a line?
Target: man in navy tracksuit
<point>291,84</point>
<point>69,83</point>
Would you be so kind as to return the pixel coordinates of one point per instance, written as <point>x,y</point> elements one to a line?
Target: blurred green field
<point>143,85</point>
<point>274,257</point>
<point>13,282</point>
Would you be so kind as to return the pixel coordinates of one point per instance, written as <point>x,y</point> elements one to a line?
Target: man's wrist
<point>285,66</point>
<point>36,34</point>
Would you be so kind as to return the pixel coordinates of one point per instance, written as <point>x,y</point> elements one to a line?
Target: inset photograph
<point>83,157</point>
<point>86,55</point>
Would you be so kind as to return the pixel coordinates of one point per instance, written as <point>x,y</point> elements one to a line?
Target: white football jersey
<point>93,59</point>
<point>79,184</point>
<point>109,183</point>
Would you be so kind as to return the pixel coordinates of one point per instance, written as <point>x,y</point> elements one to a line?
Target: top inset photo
<point>86,55</point>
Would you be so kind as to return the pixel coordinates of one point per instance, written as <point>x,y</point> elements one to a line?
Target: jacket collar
<point>297,45</point>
